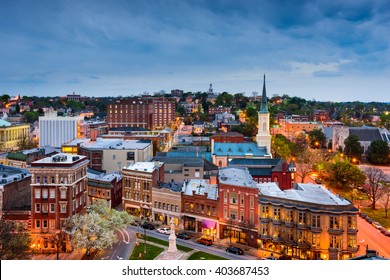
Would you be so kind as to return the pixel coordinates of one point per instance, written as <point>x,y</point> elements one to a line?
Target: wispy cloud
<point>135,46</point>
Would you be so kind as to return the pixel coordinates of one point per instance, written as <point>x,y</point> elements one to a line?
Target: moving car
<point>148,226</point>
<point>205,241</point>
<point>235,250</point>
<point>183,235</point>
<point>164,230</point>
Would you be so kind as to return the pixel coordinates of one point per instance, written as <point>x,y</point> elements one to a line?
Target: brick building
<point>146,112</point>
<point>58,191</point>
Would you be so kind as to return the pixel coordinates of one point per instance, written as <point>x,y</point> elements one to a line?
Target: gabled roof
<point>366,133</point>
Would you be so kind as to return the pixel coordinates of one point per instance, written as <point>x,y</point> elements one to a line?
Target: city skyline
<point>314,50</point>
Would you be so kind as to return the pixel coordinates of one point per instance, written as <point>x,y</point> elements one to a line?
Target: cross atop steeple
<point>264,105</point>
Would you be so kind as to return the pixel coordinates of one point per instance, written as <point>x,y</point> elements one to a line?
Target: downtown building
<point>306,222</point>
<point>145,112</point>
<point>56,130</point>
<point>138,182</point>
<point>58,191</point>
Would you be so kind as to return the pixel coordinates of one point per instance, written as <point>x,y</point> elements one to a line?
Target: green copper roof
<point>264,105</point>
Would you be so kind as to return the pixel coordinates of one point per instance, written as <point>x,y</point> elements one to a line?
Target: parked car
<point>376,225</point>
<point>387,232</point>
<point>235,250</point>
<point>148,226</point>
<point>163,230</point>
<point>183,235</point>
<point>363,215</point>
<point>205,241</point>
<point>368,219</point>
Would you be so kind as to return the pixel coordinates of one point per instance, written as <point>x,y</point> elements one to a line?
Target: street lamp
<point>145,240</point>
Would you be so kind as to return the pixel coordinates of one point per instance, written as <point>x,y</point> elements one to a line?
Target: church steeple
<point>264,104</point>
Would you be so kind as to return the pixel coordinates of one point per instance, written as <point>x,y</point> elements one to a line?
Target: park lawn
<point>378,215</point>
<point>166,243</point>
<point>205,256</point>
<point>151,252</point>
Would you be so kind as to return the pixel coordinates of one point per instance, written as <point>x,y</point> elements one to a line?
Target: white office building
<point>56,130</point>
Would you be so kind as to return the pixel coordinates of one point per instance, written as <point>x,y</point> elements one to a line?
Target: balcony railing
<point>336,231</point>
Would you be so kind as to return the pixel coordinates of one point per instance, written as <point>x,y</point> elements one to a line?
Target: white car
<point>164,230</point>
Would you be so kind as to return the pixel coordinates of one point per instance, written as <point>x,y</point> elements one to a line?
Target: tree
<point>385,120</point>
<point>225,99</point>
<point>30,117</point>
<point>374,187</point>
<point>340,173</point>
<point>378,152</point>
<point>94,231</point>
<point>26,143</point>
<point>306,162</point>
<point>352,148</point>
<point>281,147</point>
<point>386,196</point>
<point>317,138</point>
<point>58,239</point>
<point>14,243</point>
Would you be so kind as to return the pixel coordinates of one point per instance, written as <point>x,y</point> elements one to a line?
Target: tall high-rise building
<point>146,112</point>
<point>56,130</point>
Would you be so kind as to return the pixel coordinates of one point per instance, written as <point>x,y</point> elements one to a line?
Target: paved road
<point>369,235</point>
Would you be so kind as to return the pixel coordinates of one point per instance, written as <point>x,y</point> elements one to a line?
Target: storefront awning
<point>208,224</point>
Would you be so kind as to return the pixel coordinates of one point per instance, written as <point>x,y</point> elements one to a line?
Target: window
<point>233,198</point>
<point>241,216</point>
<point>264,229</point>
<point>252,218</point>
<point>301,218</point>
<point>52,224</point>
<point>315,240</point>
<point>37,223</point>
<point>114,157</point>
<point>52,208</point>
<point>52,180</point>
<point>352,241</point>
<point>336,242</point>
<point>276,214</point>
<point>264,212</point>
<point>352,222</point>
<point>45,208</point>
<point>63,193</point>
<point>242,199</point>
<point>302,236</point>
<point>315,221</point>
<point>37,193</point>
<point>38,180</point>
<point>233,214</point>
<point>289,216</point>
<point>177,208</point>
<point>252,202</point>
<point>37,207</point>
<point>289,234</point>
<point>63,208</point>
<point>225,195</point>
<point>45,193</point>
<point>335,222</point>
<point>52,193</point>
<point>45,180</point>
<point>44,223</point>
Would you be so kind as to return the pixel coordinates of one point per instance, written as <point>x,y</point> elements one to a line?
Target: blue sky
<point>324,50</point>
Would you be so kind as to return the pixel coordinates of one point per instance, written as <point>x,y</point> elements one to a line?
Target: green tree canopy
<point>378,152</point>
<point>340,173</point>
<point>317,138</point>
<point>352,148</point>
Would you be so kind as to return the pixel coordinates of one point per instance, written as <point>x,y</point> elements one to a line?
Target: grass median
<point>166,243</point>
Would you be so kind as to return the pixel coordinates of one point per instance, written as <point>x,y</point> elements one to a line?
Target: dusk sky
<point>324,50</point>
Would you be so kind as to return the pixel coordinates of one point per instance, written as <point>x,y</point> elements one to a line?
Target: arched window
<point>220,163</point>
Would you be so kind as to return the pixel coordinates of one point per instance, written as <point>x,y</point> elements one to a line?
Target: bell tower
<point>263,137</point>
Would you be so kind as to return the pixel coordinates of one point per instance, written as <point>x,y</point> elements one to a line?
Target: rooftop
<point>144,166</point>
<point>102,176</point>
<point>118,144</point>
<point>60,158</point>
<point>236,176</point>
<point>201,187</point>
<point>238,149</point>
<point>311,193</point>
<point>10,174</point>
